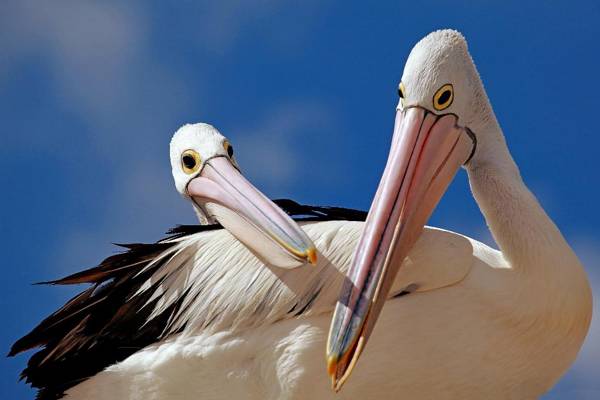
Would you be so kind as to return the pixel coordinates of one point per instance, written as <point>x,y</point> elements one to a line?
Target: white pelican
<point>118,314</point>
<point>483,324</point>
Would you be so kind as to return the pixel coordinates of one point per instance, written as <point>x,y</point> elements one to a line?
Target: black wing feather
<point>105,324</point>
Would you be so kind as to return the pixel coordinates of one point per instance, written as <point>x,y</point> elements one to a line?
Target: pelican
<point>482,323</point>
<point>120,312</point>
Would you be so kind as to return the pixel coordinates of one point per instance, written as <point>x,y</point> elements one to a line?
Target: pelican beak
<point>223,192</point>
<point>426,152</point>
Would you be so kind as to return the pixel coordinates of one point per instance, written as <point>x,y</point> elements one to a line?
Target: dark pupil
<point>444,97</point>
<point>230,151</point>
<point>400,93</point>
<point>189,162</point>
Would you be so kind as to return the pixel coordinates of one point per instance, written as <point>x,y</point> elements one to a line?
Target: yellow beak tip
<point>311,255</point>
<point>332,366</point>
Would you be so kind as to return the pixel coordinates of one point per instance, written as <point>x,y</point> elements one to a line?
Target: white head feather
<point>205,139</point>
<point>208,142</point>
<point>441,58</point>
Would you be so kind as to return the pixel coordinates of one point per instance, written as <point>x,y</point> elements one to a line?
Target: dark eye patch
<point>230,151</point>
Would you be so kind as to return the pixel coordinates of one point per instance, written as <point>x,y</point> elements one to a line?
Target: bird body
<point>424,347</point>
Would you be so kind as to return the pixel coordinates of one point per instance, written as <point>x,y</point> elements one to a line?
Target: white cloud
<point>89,46</point>
<point>98,59</point>
<point>277,151</point>
<point>223,22</point>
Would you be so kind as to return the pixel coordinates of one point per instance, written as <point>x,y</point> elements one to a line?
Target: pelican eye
<point>401,90</point>
<point>443,97</point>
<point>228,148</point>
<point>190,161</point>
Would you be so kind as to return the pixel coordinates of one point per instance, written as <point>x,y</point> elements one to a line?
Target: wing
<point>439,259</point>
<point>100,326</point>
<point>113,318</point>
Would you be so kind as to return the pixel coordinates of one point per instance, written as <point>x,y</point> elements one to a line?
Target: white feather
<point>241,339</point>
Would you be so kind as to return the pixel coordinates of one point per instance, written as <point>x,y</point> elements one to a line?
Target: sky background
<point>91,93</point>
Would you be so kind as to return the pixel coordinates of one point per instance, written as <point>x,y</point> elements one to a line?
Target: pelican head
<point>443,121</point>
<point>206,173</point>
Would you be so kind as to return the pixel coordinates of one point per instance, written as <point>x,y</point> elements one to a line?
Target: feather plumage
<point>139,297</point>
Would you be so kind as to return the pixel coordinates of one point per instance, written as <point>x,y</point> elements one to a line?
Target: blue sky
<point>90,94</point>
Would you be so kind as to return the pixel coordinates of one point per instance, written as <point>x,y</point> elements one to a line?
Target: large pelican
<point>494,324</point>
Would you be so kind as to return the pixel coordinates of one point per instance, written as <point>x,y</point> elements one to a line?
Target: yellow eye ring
<point>228,148</point>
<point>190,161</point>
<point>443,98</point>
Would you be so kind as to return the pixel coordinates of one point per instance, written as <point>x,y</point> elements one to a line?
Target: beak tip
<point>311,255</point>
<point>332,365</point>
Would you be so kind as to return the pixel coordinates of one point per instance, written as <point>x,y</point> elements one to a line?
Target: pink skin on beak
<point>426,152</point>
<point>250,216</point>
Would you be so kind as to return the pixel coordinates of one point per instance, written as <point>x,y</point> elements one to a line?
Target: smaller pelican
<point>124,310</point>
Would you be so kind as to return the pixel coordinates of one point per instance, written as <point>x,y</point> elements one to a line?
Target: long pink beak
<point>426,152</point>
<point>223,192</point>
